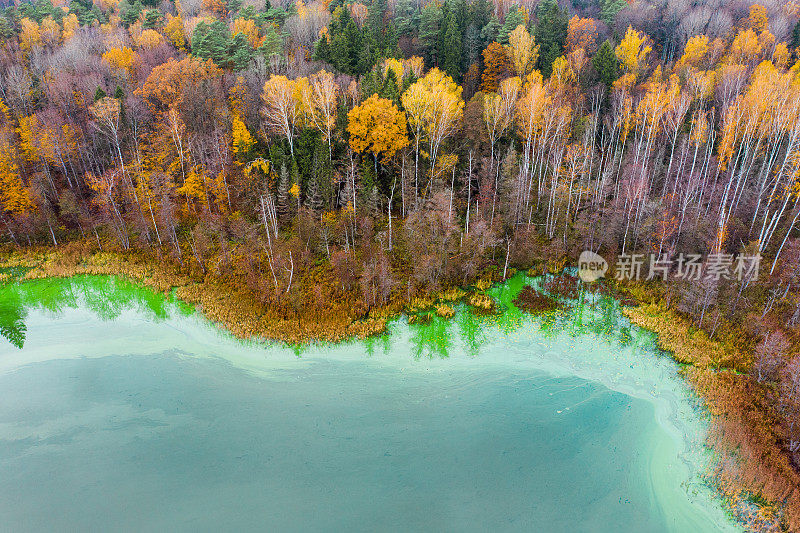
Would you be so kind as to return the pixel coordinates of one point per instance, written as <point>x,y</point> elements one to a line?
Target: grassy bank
<point>752,470</point>
<point>317,310</point>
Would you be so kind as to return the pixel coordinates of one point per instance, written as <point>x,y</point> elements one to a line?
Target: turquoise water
<point>122,410</point>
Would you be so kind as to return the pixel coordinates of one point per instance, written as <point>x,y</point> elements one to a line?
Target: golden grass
<point>745,430</point>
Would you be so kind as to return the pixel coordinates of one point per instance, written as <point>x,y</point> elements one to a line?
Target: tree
<point>581,34</point>
<point>609,10</point>
<point>514,18</point>
<point>522,50</point>
<point>429,27</point>
<point>212,41</point>
<point>632,51</point>
<point>498,112</point>
<point>377,126</point>
<point>15,198</point>
<point>242,141</point>
<point>496,67</point>
<point>550,33</point>
<point>434,108</point>
<point>320,98</point>
<point>770,353</point>
<point>282,108</point>
<point>605,63</point>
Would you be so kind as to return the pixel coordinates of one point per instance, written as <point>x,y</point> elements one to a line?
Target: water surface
<point>123,410</point>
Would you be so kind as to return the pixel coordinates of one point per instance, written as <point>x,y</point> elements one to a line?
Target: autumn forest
<point>337,158</point>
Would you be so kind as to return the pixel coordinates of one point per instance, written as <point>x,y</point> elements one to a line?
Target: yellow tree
<point>123,60</point>
<point>15,198</point>
<point>498,112</point>
<point>241,138</point>
<point>248,28</point>
<point>282,110</point>
<point>173,30</point>
<point>377,126</point>
<point>522,50</point>
<point>694,52</point>
<point>70,24</point>
<point>434,108</point>
<point>29,36</point>
<point>50,32</point>
<point>320,97</point>
<point>632,51</point>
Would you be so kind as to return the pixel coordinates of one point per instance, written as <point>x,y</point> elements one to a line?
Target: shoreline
<point>701,374</point>
<point>519,345</point>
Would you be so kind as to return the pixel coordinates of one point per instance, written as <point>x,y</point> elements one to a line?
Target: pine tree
<point>451,50</point>
<point>605,63</point>
<point>390,89</point>
<point>609,10</point>
<point>550,34</point>
<point>239,52</point>
<point>491,30</point>
<point>430,21</point>
<point>513,19</point>
<point>212,41</point>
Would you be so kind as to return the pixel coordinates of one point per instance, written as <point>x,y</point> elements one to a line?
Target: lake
<point>122,409</point>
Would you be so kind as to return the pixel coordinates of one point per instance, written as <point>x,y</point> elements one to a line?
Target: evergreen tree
<point>605,63</point>
<point>491,30</point>
<point>391,89</point>
<point>481,12</point>
<point>406,17</point>
<point>550,34</point>
<point>513,19</point>
<point>796,36</point>
<point>152,19</point>
<point>472,45</point>
<point>609,10</point>
<point>212,41</point>
<point>99,94</point>
<point>430,22</point>
<point>273,43</point>
<point>239,52</point>
<point>129,13</point>
<point>451,48</point>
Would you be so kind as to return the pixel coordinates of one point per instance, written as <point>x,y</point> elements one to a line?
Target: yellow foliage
<point>434,108</point>
<point>50,32</point>
<point>694,51</point>
<point>377,126</point>
<point>632,51</point>
<point>243,141</point>
<point>758,20</point>
<point>173,30</point>
<point>149,39</point>
<point>415,65</point>
<point>122,59</point>
<point>14,196</point>
<point>522,50</point>
<point>70,24</point>
<point>396,66</point>
<point>193,186</point>
<point>745,47</point>
<point>29,36</point>
<point>249,29</point>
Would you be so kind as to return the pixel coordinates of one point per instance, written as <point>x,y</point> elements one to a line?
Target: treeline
<point>370,153</point>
